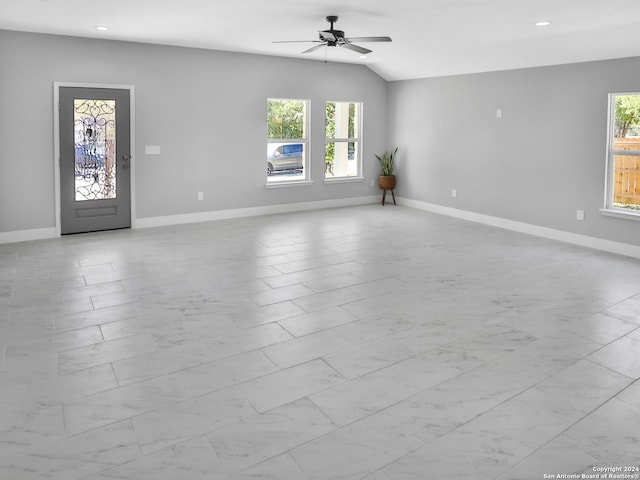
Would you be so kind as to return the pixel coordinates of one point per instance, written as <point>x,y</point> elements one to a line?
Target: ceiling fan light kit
<point>336,38</point>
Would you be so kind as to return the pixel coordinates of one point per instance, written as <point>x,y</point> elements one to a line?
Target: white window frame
<point>357,140</point>
<point>306,170</point>
<point>609,208</point>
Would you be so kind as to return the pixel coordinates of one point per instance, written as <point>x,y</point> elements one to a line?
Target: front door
<point>94,159</point>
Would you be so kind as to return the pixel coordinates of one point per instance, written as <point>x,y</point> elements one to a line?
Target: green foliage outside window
<point>627,115</point>
<point>285,119</point>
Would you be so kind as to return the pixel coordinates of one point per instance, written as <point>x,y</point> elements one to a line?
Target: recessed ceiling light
<point>363,56</point>
<point>102,28</point>
<point>543,23</point>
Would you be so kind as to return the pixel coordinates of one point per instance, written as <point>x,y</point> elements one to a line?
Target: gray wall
<point>540,163</point>
<point>206,109</point>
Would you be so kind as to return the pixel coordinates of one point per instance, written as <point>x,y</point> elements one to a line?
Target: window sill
<point>344,180</point>
<point>301,183</point>
<point>629,215</point>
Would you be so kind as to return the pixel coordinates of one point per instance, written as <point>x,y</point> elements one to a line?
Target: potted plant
<point>387,181</point>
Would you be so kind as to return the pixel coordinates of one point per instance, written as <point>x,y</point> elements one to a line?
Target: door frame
<point>56,145</point>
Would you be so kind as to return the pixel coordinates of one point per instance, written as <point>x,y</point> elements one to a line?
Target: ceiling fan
<point>333,38</point>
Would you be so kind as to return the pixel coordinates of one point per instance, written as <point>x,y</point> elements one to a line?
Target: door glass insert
<point>95,149</point>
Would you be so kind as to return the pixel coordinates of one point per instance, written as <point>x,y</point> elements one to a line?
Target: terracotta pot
<point>387,182</point>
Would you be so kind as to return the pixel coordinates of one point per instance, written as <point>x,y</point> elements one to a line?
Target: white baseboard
<point>43,233</point>
<point>251,211</point>
<point>27,235</point>
<point>550,233</point>
<point>559,235</point>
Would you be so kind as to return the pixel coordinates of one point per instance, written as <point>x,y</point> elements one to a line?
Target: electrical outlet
<point>580,215</point>
<point>454,193</point>
<point>200,195</point>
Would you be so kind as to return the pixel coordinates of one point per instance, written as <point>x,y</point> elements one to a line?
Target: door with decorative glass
<point>94,159</point>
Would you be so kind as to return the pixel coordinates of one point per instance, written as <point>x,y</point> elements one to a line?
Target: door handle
<point>125,161</point>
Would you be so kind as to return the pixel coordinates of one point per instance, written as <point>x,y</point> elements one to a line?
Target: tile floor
<point>380,343</point>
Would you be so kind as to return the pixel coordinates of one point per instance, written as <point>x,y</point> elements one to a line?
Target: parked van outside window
<point>282,157</point>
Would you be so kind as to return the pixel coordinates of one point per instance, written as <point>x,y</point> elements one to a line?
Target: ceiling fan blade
<point>315,47</point>
<point>368,39</point>
<point>355,48</point>
<point>297,41</point>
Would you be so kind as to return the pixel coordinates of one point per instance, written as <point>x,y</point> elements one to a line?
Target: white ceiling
<point>430,37</point>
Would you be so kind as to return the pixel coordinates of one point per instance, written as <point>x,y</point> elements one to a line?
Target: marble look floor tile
<point>324,319</point>
<point>631,394</point>
<point>394,348</point>
<point>366,358</point>
<point>378,475</point>
<point>356,450</point>
<point>628,310</point>
<point>291,384</point>
<point>112,406</point>
<point>303,349</point>
<point>80,291</point>
<point>609,434</point>
<point>23,369</point>
<point>482,342</point>
<point>350,401</point>
<point>18,430</point>
<point>329,283</point>
<point>193,460</point>
<point>160,362</point>
<point>141,397</point>
<point>113,276</point>
<point>388,305</point>
<point>304,264</point>
<point>281,294</point>
<point>158,324</point>
<point>373,327</point>
<point>339,268</point>
<point>276,468</point>
<point>251,317</point>
<point>559,350</point>
<point>558,457</point>
<point>56,389</point>
<point>221,373</point>
<point>509,374</point>
<point>461,454</point>
<point>77,456</point>
<point>377,286</point>
<point>269,434</point>
<point>56,342</point>
<point>439,410</point>
<point>319,301</point>
<point>240,341</point>
<point>93,317</point>
<point>179,422</point>
<point>105,352</point>
<point>287,279</point>
<point>622,356</point>
<point>602,328</point>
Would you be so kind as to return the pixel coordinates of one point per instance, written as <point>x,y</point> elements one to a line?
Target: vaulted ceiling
<point>430,37</point>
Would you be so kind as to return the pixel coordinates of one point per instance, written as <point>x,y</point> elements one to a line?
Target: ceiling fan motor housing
<point>332,36</point>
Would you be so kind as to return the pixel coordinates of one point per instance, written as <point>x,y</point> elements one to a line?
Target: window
<point>287,145</point>
<point>342,140</point>
<point>623,154</point>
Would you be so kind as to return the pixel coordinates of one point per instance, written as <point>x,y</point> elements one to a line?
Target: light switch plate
<point>152,149</point>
